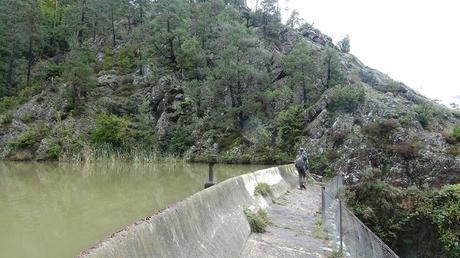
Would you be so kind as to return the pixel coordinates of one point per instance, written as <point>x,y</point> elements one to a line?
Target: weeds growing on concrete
<point>278,202</point>
<point>258,221</point>
<point>262,189</point>
<point>335,254</point>
<point>320,230</point>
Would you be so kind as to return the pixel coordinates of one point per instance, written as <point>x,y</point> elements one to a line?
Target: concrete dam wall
<point>210,223</point>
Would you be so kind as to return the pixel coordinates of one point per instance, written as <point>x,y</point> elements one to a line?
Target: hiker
<point>301,163</point>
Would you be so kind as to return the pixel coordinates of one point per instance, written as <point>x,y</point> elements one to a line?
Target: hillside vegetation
<point>140,80</point>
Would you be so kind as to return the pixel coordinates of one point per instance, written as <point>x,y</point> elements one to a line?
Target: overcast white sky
<point>413,41</point>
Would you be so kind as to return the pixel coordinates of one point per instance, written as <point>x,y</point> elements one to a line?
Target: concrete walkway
<point>295,230</point>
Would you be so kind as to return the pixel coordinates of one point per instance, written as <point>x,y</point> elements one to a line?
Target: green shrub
<point>25,117</point>
<point>25,139</point>
<point>444,211</point>
<point>379,205</point>
<point>54,151</point>
<point>428,221</point>
<point>30,91</point>
<point>393,86</point>
<point>54,70</point>
<point>107,62</point>
<point>424,114</point>
<point>126,58</point>
<point>110,130</point>
<point>258,221</point>
<point>30,137</point>
<point>456,133</point>
<point>329,173</point>
<point>262,189</point>
<point>347,98</point>
<point>8,103</point>
<point>178,141</point>
<point>6,118</point>
<point>321,164</point>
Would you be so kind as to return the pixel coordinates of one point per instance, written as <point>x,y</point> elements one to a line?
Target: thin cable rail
<point>349,234</point>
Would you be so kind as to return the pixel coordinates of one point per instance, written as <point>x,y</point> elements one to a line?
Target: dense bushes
<point>322,164</point>
<point>424,114</point>
<point>347,98</point>
<point>176,141</point>
<point>456,133</point>
<point>30,137</point>
<point>409,219</point>
<point>126,58</point>
<point>444,211</point>
<point>7,103</point>
<point>54,151</point>
<point>110,130</point>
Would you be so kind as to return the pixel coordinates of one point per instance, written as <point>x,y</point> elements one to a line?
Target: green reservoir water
<point>54,210</point>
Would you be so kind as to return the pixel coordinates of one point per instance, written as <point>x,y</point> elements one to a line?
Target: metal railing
<point>349,234</point>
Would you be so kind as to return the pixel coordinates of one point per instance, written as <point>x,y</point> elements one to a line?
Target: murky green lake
<point>55,210</point>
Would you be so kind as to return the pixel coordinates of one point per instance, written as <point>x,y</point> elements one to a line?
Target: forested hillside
<point>170,77</point>
<point>141,80</point>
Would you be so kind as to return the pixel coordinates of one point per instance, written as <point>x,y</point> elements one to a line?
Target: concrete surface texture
<point>295,229</point>
<point>210,223</point>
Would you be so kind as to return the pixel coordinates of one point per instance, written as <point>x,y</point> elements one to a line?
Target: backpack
<point>300,162</point>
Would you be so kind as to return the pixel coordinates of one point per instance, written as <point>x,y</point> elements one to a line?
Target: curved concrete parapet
<point>210,223</point>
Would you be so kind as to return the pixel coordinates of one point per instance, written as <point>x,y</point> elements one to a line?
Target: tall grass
<point>90,155</point>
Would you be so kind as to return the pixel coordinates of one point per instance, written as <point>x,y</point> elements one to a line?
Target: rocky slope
<point>387,130</point>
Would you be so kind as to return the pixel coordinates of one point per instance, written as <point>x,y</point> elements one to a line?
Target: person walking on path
<point>301,164</point>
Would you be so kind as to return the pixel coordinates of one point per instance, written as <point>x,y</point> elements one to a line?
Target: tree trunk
<point>141,10</point>
<point>76,96</point>
<point>129,23</point>
<point>113,29</point>
<point>141,67</point>
<point>82,22</point>
<point>95,27</point>
<point>10,74</point>
<point>53,25</point>
<point>240,117</point>
<point>30,61</point>
<point>329,71</point>
<point>304,87</point>
<point>172,55</point>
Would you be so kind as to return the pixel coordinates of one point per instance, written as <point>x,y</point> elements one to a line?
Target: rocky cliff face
<point>389,131</point>
<point>394,128</point>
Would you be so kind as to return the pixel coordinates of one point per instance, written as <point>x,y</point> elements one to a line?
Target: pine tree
<point>302,70</point>
<point>331,63</point>
<point>79,75</point>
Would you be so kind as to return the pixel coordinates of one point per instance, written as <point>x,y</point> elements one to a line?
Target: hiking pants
<point>302,178</point>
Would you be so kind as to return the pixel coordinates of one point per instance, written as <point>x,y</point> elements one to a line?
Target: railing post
<point>341,227</point>
<point>210,176</point>
<point>323,205</point>
<point>336,186</point>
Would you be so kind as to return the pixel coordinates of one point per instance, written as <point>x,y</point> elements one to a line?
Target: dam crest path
<point>296,229</point>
